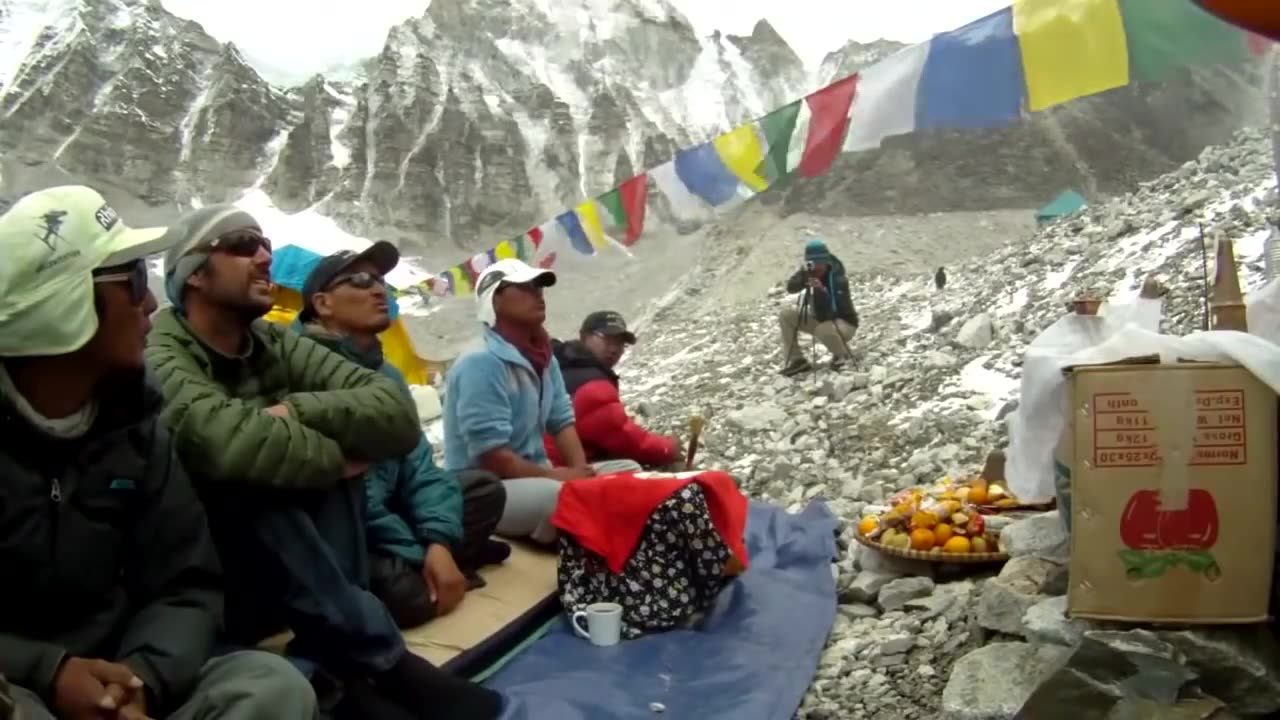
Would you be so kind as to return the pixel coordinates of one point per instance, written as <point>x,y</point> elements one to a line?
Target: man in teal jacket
<point>428,530</point>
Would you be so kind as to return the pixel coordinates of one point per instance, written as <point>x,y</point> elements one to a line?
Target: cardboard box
<point>1173,485</point>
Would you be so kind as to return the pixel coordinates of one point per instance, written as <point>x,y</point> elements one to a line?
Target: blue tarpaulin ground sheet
<point>752,658</point>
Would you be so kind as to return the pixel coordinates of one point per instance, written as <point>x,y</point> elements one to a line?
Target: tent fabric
<point>1067,202</point>
<point>752,657</point>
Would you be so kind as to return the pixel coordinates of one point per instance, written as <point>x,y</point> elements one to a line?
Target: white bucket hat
<point>510,272</point>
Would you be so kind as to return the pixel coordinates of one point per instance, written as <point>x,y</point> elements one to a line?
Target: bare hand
<point>447,583</point>
<point>354,468</point>
<point>80,689</point>
<point>280,411</point>
<point>136,710</point>
<point>573,473</point>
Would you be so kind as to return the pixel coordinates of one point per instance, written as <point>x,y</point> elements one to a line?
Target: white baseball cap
<point>51,241</point>
<point>510,272</point>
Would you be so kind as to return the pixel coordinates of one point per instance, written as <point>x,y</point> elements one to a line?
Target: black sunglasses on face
<point>241,244</point>
<point>360,281</point>
<point>135,274</point>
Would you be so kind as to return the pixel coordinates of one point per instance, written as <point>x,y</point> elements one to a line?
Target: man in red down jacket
<point>606,431</point>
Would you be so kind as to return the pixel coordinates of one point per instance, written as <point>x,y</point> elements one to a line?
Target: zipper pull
<point>55,491</point>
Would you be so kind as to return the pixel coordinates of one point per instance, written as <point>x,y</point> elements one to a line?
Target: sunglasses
<point>360,281</point>
<point>135,274</point>
<point>242,243</point>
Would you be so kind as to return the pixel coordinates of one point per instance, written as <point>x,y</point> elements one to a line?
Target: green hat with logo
<point>51,241</point>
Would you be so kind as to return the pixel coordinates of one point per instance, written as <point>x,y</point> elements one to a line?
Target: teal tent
<point>1069,201</point>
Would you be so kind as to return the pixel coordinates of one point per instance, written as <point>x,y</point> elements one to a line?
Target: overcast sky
<point>301,37</point>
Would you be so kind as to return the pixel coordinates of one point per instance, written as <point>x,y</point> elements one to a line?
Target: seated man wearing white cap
<point>502,399</point>
<point>112,588</point>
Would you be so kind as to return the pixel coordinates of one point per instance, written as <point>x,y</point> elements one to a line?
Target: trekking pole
<point>802,304</point>
<point>695,432</point>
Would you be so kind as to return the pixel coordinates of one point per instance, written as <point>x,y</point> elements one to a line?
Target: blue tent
<point>1067,202</point>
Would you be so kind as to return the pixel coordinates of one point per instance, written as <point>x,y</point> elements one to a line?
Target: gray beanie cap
<point>190,237</point>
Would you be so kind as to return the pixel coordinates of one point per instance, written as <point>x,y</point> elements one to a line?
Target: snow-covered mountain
<point>480,117</point>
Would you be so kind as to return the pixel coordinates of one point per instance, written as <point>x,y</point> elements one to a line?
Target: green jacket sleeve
<point>232,440</point>
<point>362,410</point>
<point>174,574</point>
<point>432,496</point>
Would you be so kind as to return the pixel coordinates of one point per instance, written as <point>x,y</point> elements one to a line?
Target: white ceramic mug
<point>604,623</point>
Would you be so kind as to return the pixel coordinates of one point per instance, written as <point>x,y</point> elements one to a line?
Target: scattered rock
<point>993,682</point>
<point>896,593</point>
<point>976,333</point>
<point>1008,597</point>
<point>1041,535</point>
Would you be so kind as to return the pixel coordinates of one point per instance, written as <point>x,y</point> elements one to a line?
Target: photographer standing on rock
<point>823,310</point>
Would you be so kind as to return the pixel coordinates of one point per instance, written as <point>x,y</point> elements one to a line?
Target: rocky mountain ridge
<point>485,117</point>
<point>478,119</point>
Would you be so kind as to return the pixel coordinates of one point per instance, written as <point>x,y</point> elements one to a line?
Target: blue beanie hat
<point>191,236</point>
<point>816,251</point>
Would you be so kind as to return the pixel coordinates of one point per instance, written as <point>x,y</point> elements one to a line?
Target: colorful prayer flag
<point>702,171</point>
<point>886,102</point>
<point>827,122</point>
<point>778,127</point>
<point>1164,37</point>
<point>740,151</point>
<point>626,205</point>
<point>1070,48</point>
<point>972,77</point>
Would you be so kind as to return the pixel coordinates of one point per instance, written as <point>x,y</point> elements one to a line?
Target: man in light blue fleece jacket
<point>500,400</point>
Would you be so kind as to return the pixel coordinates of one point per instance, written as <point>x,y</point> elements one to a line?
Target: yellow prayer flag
<point>740,151</point>
<point>589,216</point>
<point>505,250</point>
<point>1070,48</point>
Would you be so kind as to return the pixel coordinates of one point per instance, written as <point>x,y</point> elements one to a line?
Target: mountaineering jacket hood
<point>837,303</point>
<point>494,399</point>
<point>410,502</point>
<point>106,550</point>
<point>337,409</point>
<point>606,431</point>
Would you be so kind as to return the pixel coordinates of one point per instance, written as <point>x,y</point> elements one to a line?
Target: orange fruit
<point>956,544</point>
<point>978,494</point>
<point>942,532</point>
<point>921,539</point>
<point>868,525</point>
<point>924,519</point>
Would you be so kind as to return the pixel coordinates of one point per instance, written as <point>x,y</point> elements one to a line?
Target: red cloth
<point>607,513</point>
<point>607,432</point>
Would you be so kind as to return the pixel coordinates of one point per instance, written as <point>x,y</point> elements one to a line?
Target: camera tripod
<point>804,305</point>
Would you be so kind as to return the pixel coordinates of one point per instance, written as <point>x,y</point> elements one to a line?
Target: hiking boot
<point>796,367</point>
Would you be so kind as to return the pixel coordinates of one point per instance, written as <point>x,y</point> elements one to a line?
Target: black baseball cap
<point>607,322</point>
<point>382,255</point>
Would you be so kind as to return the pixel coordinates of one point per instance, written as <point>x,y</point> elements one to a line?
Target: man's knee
<point>402,589</point>
<point>604,467</point>
<point>483,493</point>
<point>253,685</point>
<point>789,316</point>
<point>27,705</point>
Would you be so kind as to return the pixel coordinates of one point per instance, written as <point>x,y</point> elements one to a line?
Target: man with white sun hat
<point>502,399</point>
<point>122,619</point>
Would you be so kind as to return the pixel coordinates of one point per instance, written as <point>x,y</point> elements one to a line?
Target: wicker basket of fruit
<point>921,526</point>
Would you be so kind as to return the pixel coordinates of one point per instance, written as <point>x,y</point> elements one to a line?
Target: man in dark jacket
<point>112,598</point>
<point>605,429</point>
<point>278,433</point>
<point>428,529</point>
<point>825,310</point>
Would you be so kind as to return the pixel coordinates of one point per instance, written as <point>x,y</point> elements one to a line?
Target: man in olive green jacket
<point>277,432</point>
